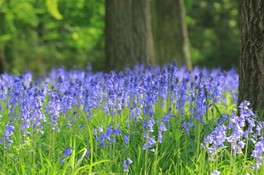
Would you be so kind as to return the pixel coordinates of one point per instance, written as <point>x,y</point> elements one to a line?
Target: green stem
<point>197,139</point>
<point>146,156</point>
<point>156,159</point>
<point>246,150</point>
<point>34,152</point>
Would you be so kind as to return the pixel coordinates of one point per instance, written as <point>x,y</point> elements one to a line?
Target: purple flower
<point>126,164</point>
<point>244,105</point>
<point>187,125</point>
<point>166,119</point>
<point>160,137</point>
<point>215,172</point>
<point>259,127</point>
<point>109,136</point>
<point>9,130</point>
<point>162,127</point>
<point>54,109</point>
<point>215,140</point>
<point>149,124</point>
<point>68,151</point>
<point>257,152</point>
<point>126,139</point>
<point>150,142</point>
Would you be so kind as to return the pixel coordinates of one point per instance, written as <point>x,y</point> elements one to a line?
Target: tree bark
<point>251,65</point>
<point>128,36</point>
<point>170,32</point>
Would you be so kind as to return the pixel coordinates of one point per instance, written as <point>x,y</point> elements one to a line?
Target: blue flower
<point>126,139</point>
<point>150,142</point>
<point>68,151</point>
<point>215,140</point>
<point>215,172</point>
<point>126,164</point>
<point>9,130</point>
<point>159,136</point>
<point>257,152</point>
<point>162,127</point>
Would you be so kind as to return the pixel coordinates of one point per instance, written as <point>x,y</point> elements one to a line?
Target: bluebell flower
<point>126,164</point>
<point>259,127</point>
<point>150,142</point>
<point>166,119</point>
<point>187,125</point>
<point>244,105</point>
<point>159,136</point>
<point>54,109</point>
<point>126,170</point>
<point>107,137</point>
<point>215,172</point>
<point>150,125</point>
<point>215,140</point>
<point>257,152</point>
<point>162,127</point>
<point>8,132</point>
<point>68,151</point>
<point>129,161</point>
<point>126,139</point>
<point>62,161</point>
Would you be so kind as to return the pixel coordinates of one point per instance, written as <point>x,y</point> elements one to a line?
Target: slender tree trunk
<point>184,34</point>
<point>170,32</point>
<point>251,70</point>
<point>128,37</point>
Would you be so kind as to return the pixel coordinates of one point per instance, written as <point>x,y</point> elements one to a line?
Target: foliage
<point>214,28</point>
<point>37,35</point>
<point>142,121</point>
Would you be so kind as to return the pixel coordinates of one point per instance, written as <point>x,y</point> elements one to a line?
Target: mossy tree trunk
<point>251,70</point>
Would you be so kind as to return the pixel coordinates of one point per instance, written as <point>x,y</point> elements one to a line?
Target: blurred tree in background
<point>39,35</point>
<point>170,32</point>
<point>128,33</point>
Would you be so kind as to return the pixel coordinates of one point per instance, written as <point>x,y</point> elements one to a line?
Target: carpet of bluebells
<point>162,120</point>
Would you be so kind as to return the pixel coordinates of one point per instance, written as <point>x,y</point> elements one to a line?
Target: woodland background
<point>39,35</point>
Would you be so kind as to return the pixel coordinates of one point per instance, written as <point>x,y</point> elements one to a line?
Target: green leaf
<point>4,38</point>
<point>53,9</point>
<point>89,166</point>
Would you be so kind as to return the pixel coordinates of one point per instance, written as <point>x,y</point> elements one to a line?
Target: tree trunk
<point>128,36</point>
<point>170,32</point>
<point>184,34</point>
<point>251,70</point>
